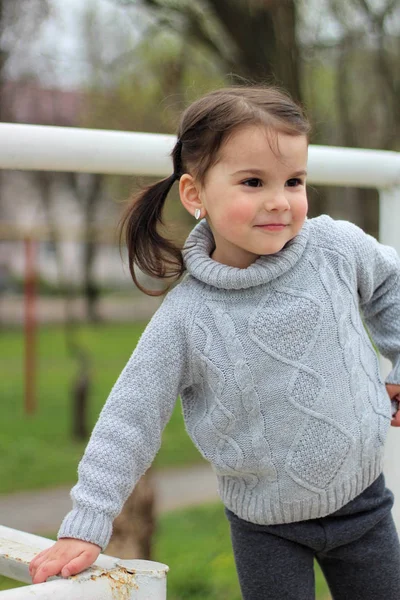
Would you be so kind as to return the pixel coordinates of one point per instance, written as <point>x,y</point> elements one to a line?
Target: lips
<point>272,226</point>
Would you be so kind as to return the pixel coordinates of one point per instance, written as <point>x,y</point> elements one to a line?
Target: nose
<point>276,201</point>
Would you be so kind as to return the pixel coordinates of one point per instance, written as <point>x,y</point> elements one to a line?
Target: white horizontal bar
<point>329,165</point>
<point>37,147</point>
<point>74,149</point>
<point>141,579</point>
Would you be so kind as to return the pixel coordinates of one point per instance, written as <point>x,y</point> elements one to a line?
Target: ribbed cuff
<point>86,525</point>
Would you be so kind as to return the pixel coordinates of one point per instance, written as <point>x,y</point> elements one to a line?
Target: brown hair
<point>203,128</point>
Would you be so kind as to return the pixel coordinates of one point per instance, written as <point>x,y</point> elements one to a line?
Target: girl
<point>264,341</point>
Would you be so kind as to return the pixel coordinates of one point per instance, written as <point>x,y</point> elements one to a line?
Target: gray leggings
<point>357,548</point>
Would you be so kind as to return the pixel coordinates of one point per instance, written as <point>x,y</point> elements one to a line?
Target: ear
<point>190,195</point>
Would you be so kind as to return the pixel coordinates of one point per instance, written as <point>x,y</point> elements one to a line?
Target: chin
<point>276,248</point>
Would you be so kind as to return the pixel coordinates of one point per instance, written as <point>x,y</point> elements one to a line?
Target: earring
<point>197,213</point>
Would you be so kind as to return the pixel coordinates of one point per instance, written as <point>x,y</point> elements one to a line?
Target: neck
<point>240,260</point>
<point>204,263</point>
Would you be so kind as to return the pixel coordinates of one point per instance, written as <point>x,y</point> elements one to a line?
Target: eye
<point>294,182</point>
<point>253,182</point>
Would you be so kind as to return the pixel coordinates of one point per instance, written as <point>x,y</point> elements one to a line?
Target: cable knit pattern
<point>279,382</point>
<point>354,368</point>
<point>249,396</point>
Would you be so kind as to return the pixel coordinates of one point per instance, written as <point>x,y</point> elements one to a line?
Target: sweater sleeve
<point>378,280</point>
<point>128,432</point>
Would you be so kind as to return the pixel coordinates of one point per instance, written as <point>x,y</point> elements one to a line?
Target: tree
<point>352,87</point>
<point>89,192</point>
<point>252,39</point>
<point>134,527</point>
<point>20,23</point>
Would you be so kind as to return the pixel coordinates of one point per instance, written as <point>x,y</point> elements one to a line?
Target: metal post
<point>389,233</point>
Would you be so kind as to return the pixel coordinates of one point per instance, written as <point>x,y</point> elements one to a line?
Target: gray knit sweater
<point>279,382</point>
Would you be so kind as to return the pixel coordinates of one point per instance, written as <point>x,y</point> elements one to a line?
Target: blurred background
<point>133,65</point>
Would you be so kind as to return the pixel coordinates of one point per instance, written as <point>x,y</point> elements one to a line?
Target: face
<point>254,197</point>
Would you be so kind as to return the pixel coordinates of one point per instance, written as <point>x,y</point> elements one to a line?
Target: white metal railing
<point>38,147</point>
<point>108,579</point>
<point>34,147</point>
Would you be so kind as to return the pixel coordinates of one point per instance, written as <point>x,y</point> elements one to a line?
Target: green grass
<point>38,448</point>
<point>196,546</point>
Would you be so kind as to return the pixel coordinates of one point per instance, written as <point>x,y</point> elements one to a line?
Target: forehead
<point>256,144</point>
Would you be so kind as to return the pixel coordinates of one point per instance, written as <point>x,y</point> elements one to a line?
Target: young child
<point>264,341</point>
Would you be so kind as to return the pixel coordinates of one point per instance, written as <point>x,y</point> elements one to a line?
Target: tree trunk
<point>80,400</point>
<point>90,287</point>
<point>87,189</point>
<point>134,527</point>
<point>264,34</point>
<point>81,383</point>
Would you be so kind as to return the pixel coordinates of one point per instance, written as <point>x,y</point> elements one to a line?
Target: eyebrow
<point>261,172</point>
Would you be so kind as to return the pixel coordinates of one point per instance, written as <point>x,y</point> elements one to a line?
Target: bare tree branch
<point>256,39</point>
<point>197,17</point>
<point>343,87</point>
<point>378,17</point>
<point>383,63</point>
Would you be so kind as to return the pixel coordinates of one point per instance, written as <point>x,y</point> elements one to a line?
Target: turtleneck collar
<point>200,244</point>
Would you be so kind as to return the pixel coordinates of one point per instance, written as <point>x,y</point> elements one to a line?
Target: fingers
<point>77,565</point>
<point>47,569</point>
<point>54,566</point>
<point>393,390</point>
<point>67,556</point>
<point>35,561</point>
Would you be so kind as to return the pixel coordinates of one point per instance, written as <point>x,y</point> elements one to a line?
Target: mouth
<point>272,226</point>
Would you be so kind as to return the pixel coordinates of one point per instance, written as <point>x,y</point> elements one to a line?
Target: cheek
<point>299,209</point>
<point>240,213</point>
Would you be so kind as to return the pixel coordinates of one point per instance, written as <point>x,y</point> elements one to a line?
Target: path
<point>53,309</point>
<point>42,511</point>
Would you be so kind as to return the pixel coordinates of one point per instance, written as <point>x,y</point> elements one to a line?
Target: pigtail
<point>154,254</point>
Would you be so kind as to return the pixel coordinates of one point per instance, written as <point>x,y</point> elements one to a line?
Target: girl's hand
<point>394,395</point>
<point>68,556</point>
